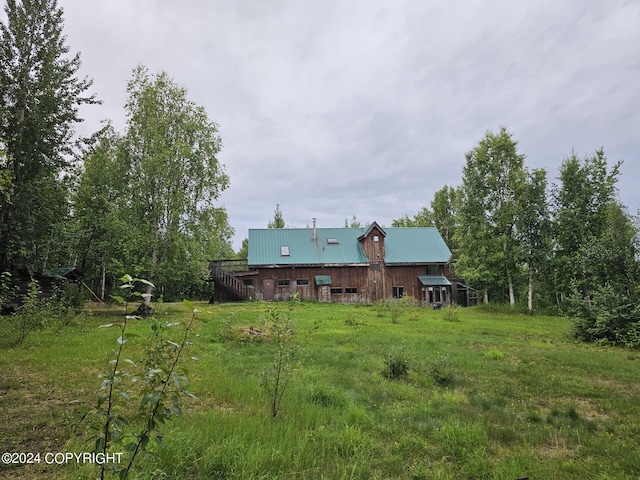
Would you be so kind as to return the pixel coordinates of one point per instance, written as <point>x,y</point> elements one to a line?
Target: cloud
<point>365,107</point>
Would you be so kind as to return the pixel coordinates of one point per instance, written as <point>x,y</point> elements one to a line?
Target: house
<point>345,265</point>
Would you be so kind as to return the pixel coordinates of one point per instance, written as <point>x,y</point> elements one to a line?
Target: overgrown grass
<point>492,394</point>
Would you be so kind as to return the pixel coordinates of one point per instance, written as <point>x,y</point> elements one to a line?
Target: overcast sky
<point>337,108</point>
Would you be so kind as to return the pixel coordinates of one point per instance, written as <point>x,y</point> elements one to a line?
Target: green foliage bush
<point>275,378</point>
<point>451,314</point>
<point>610,316</point>
<point>327,397</point>
<point>442,372</point>
<point>157,381</point>
<point>397,364</point>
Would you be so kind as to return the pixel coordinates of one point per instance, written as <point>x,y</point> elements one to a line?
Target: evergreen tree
<point>278,219</point>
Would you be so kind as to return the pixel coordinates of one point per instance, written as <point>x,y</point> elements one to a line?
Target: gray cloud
<point>339,108</point>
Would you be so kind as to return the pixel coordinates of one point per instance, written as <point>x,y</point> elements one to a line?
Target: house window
<point>332,241</point>
<point>435,294</point>
<point>302,282</point>
<point>336,291</point>
<point>350,290</point>
<point>284,250</point>
<point>398,292</point>
<point>284,283</point>
<point>433,269</point>
<point>375,238</point>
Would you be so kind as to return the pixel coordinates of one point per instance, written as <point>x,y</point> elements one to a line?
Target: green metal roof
<point>434,280</point>
<point>340,246</point>
<point>264,246</point>
<point>415,245</point>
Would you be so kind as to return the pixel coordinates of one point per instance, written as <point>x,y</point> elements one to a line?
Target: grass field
<point>487,394</point>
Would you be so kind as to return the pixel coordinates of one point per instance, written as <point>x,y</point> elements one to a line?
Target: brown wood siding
<point>407,277</point>
<point>341,277</point>
<point>373,250</point>
<point>371,284</point>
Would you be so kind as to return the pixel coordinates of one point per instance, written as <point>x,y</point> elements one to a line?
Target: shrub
<point>32,315</point>
<point>442,372</point>
<point>494,355</point>
<point>327,397</point>
<point>397,364</point>
<point>612,315</point>
<point>275,379</point>
<point>451,314</point>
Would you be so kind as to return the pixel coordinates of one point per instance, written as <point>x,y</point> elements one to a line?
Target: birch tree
<point>533,229</point>
<point>491,198</point>
<point>173,176</point>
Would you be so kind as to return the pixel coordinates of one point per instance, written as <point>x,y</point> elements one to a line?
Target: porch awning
<point>434,280</point>
<point>323,279</point>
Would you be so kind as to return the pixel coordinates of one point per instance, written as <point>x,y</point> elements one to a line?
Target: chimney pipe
<point>314,230</point>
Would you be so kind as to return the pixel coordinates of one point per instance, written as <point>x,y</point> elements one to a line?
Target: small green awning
<point>434,280</point>
<point>323,279</point>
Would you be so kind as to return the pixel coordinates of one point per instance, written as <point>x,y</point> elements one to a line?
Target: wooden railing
<point>220,274</point>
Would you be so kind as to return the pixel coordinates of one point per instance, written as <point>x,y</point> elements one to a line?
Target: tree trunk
<point>485,298</point>
<point>530,292</point>
<point>512,297</point>
<point>103,280</point>
<point>152,273</point>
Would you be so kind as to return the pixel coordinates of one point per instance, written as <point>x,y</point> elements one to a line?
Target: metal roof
<point>415,245</point>
<point>264,246</point>
<point>402,246</point>
<point>434,280</point>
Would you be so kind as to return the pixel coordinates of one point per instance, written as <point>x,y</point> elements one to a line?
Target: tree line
<point>571,246</point>
<point>141,201</point>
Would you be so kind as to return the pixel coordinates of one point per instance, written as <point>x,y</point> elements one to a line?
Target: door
<point>323,294</point>
<point>267,289</point>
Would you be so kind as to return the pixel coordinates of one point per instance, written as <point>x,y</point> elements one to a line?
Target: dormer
<point>372,242</point>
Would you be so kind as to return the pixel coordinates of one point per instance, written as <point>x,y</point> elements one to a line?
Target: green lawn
<point>487,395</point>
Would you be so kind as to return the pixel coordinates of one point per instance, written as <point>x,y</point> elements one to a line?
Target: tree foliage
<point>155,188</point>
<point>39,98</point>
<point>424,218</point>
<point>533,230</point>
<point>355,223</point>
<point>573,246</point>
<point>491,198</point>
<point>581,207</point>
<point>278,218</point>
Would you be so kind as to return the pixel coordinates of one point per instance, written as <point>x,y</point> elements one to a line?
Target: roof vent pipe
<point>314,230</point>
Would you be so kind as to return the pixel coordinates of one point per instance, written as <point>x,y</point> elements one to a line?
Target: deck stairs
<point>228,287</point>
